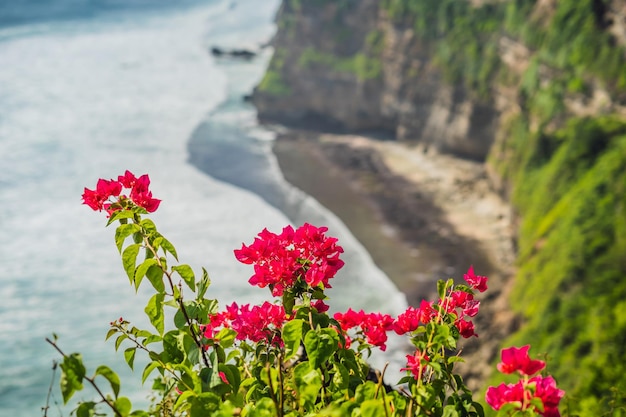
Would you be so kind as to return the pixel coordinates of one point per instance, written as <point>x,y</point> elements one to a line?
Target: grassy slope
<point>569,184</point>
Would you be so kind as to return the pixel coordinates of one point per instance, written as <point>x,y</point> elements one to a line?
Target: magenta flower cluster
<point>524,394</point>
<point>281,260</point>
<point>253,323</point>
<point>108,194</point>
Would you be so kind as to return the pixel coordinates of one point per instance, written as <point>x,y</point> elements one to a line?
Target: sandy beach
<point>422,216</point>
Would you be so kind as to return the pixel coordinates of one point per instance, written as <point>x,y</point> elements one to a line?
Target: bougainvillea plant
<point>286,357</point>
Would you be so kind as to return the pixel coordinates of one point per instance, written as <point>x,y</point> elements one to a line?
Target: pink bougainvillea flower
<point>550,395</point>
<point>93,200</point>
<point>426,312</point>
<point>99,199</point>
<point>407,322</point>
<point>320,306</point>
<point>517,359</point>
<point>280,260</point>
<point>127,180</point>
<point>523,392</point>
<point>544,388</point>
<point>146,201</point>
<point>496,397</point>
<point>466,328</point>
<point>412,317</point>
<point>374,326</point>
<point>416,364</point>
<point>105,189</point>
<point>255,323</point>
<point>350,318</point>
<point>476,282</point>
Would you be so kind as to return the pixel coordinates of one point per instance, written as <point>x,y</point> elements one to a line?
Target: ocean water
<point>90,89</point>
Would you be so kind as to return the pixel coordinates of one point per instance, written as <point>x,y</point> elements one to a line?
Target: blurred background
<point>428,135</point>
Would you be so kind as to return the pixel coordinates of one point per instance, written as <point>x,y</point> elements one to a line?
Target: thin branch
<point>47,406</point>
<point>91,381</point>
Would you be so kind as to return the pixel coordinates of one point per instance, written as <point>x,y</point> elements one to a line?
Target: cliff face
<point>318,74</point>
<point>347,66</point>
<point>537,88</point>
<point>366,66</point>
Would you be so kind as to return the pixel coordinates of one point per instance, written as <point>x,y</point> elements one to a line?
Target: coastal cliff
<point>534,89</point>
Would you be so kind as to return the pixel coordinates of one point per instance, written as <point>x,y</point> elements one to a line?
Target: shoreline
<point>421,216</point>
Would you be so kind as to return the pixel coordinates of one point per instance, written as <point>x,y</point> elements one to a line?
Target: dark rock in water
<point>235,53</point>
<point>247,98</point>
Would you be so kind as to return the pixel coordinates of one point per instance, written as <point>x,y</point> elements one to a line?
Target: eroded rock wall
<point>346,66</point>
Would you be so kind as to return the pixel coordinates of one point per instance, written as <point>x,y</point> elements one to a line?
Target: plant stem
<point>47,407</point>
<point>91,381</point>
<point>179,300</point>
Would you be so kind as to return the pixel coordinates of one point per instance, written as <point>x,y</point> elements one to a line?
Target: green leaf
<point>204,404</point>
<point>142,269</point>
<point>441,288</point>
<point>204,284</point>
<point>129,355</point>
<point>86,409</point>
<point>183,399</point>
<point>155,276</point>
<point>148,225</point>
<point>372,408</point>
<point>308,383</point>
<point>341,379</point>
<point>110,333</point>
<point>72,374</point>
<point>232,374</point>
<point>365,391</point>
<point>292,336</point>
<point>226,337</point>
<point>171,349</point>
<point>119,340</point>
<point>148,370</point>
<point>151,339</point>
<point>119,215</point>
<point>320,345</point>
<point>168,247</point>
<point>122,232</point>
<point>188,347</point>
<point>289,300</point>
<point>123,406</point>
<point>111,376</point>
<point>154,310</point>
<point>187,275</point>
<point>215,379</point>
<point>129,257</point>
<point>450,411</point>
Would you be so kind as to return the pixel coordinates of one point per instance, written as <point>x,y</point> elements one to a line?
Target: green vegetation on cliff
<point>570,190</point>
<point>567,174</point>
<point>462,37</point>
<point>272,82</point>
<point>361,65</point>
